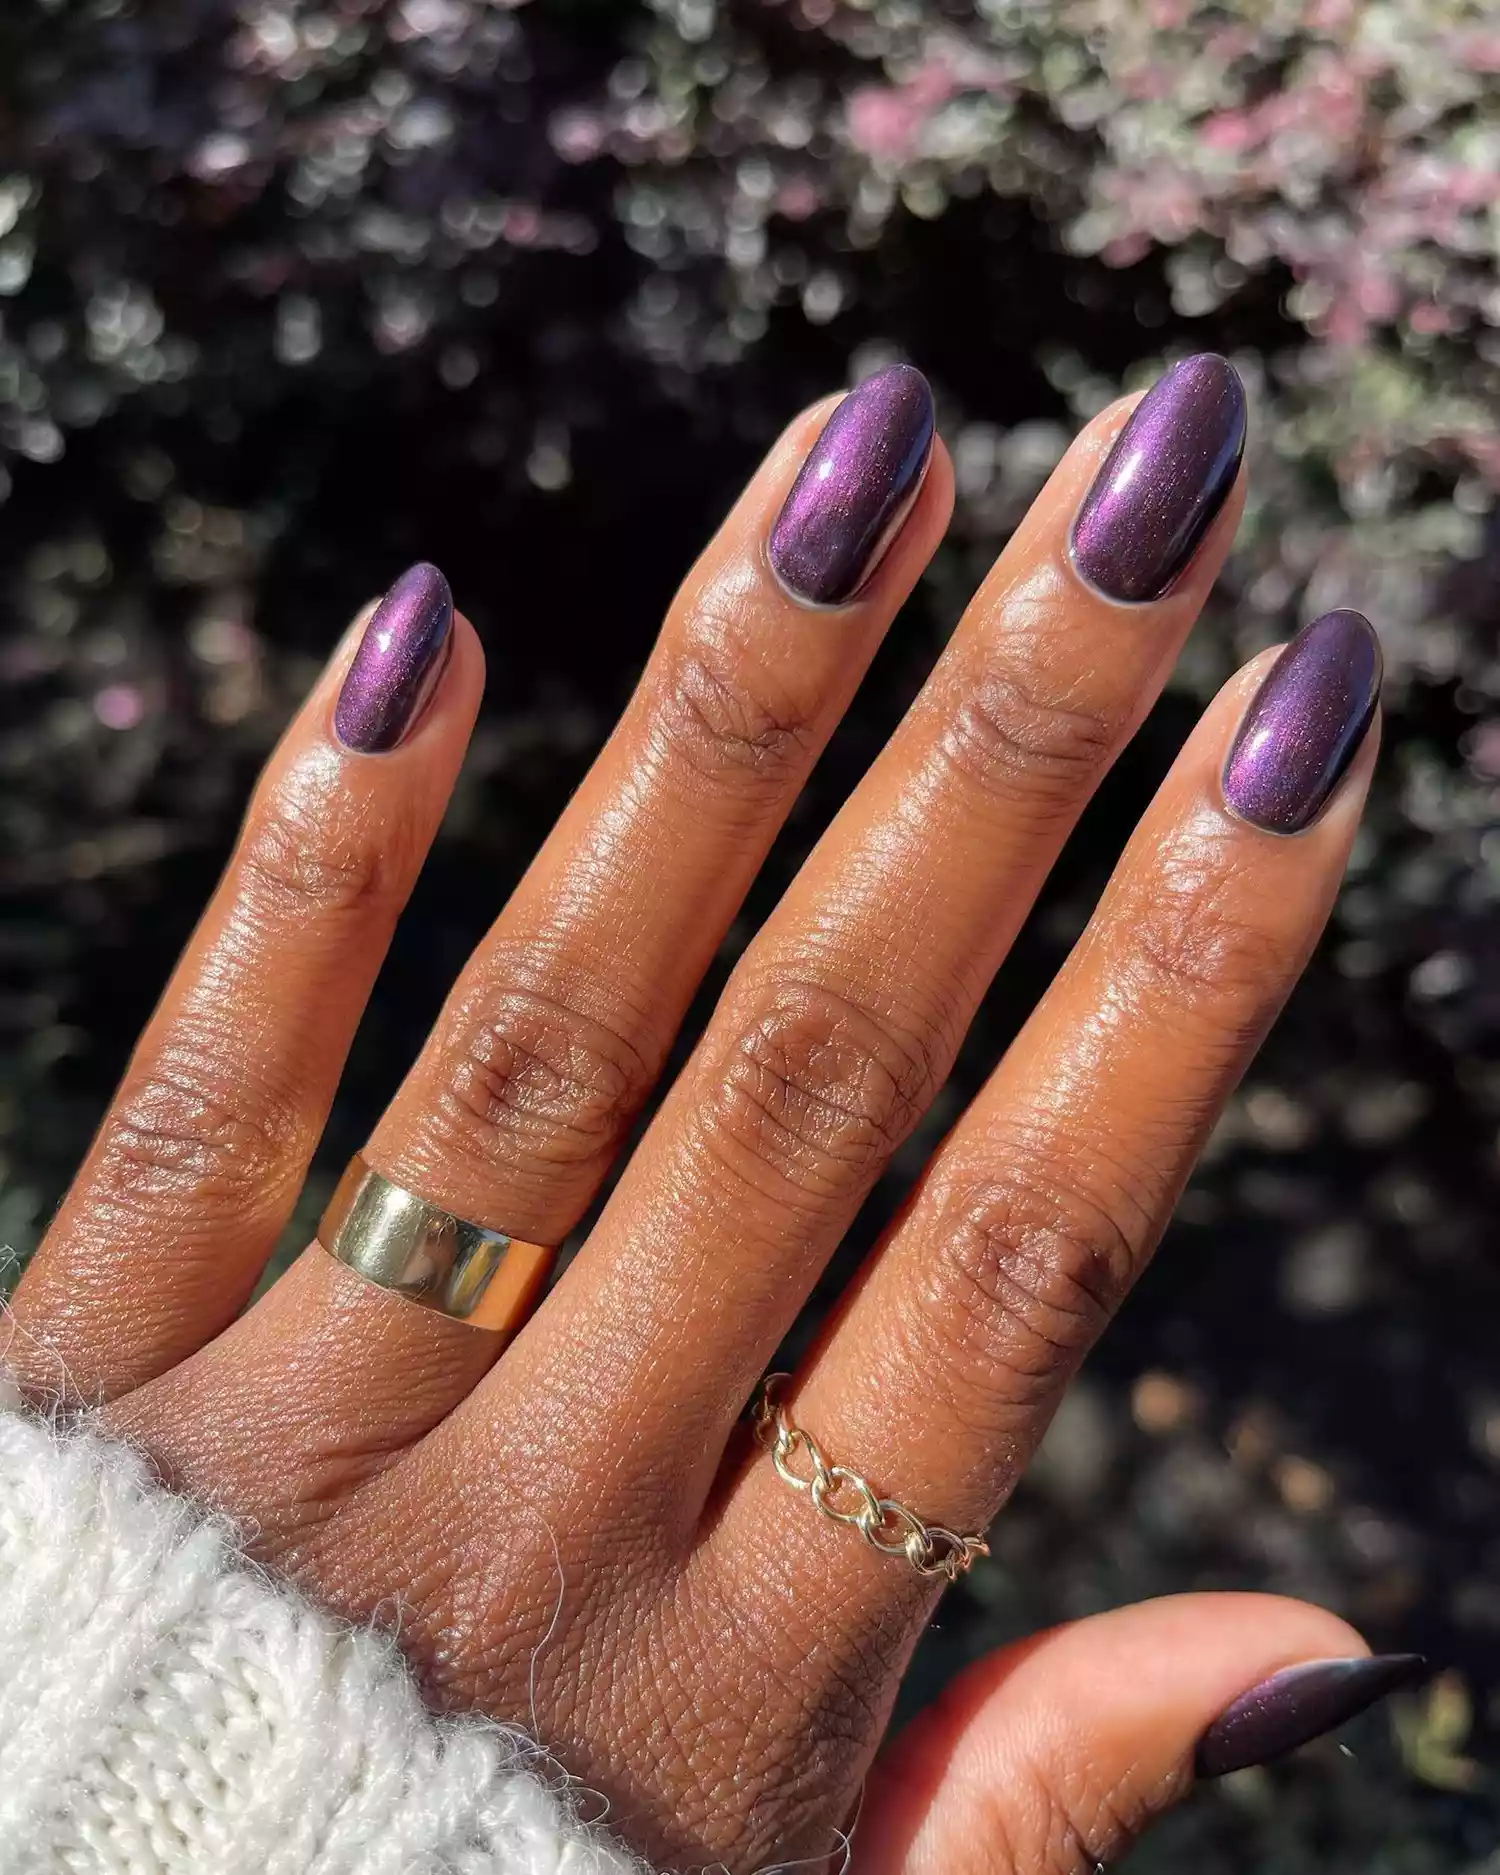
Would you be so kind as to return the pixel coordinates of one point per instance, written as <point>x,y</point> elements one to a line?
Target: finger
<point>200,1158</point>
<point>559,1025</point>
<point>1040,1209</point>
<point>1050,1757</point>
<point>842,1020</point>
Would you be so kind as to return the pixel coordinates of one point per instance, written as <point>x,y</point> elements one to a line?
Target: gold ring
<point>400,1242</point>
<point>843,1496</point>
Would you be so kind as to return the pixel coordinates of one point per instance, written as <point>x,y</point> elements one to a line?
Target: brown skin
<point>576,1532</point>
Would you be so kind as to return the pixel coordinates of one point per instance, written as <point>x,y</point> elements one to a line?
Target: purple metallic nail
<point>1305,724</point>
<point>855,489</point>
<point>1300,1704</point>
<point>1166,478</point>
<point>398,663</point>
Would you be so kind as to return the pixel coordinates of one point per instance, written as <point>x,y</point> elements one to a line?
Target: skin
<point>578,1534</point>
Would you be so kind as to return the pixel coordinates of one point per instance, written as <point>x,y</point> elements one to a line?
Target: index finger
<point>201,1156</point>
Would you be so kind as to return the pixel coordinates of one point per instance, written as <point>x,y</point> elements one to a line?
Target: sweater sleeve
<point>167,1707</point>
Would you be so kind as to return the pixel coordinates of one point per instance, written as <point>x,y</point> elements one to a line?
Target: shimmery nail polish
<point>397,664</point>
<point>1305,724</point>
<point>1166,478</point>
<point>855,488</point>
<point>1300,1704</point>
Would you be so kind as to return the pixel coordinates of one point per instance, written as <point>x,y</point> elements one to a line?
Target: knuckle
<point>820,1090</point>
<point>536,1082</point>
<point>186,1131</point>
<point>302,860</point>
<point>709,718</point>
<point>1191,942</point>
<point>1012,740</point>
<point>1023,1276</point>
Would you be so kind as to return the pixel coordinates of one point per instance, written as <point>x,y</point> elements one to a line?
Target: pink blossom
<point>577,135</point>
<point>1124,250</point>
<point>523,224</point>
<point>1478,51</point>
<point>1164,202</point>
<point>1227,130</point>
<point>932,84</point>
<point>1344,324</point>
<point>1430,318</point>
<point>798,199</point>
<point>886,123</point>
<point>1482,746</point>
<point>120,706</point>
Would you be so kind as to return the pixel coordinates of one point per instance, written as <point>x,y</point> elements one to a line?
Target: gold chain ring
<point>843,1496</point>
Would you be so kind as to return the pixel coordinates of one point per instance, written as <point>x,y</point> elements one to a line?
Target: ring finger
<point>1040,1209</point>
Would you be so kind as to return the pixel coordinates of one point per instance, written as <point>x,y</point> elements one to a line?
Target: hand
<point>575,1527</point>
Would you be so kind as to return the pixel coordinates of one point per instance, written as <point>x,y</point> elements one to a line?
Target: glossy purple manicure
<point>1300,1704</point>
<point>855,488</point>
<point>1305,724</point>
<point>398,663</point>
<point>1166,478</point>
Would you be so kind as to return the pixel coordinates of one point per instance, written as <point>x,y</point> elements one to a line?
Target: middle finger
<point>841,1022</point>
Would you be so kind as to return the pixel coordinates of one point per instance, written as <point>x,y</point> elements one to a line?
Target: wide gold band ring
<point>400,1242</point>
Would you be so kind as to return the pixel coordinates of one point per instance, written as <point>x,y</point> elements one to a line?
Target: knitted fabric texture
<point>166,1707</point>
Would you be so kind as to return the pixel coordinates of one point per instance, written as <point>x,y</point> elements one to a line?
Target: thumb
<point>1050,1756</point>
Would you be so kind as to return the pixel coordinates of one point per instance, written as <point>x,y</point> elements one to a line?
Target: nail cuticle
<point>1163,483</point>
<point>395,672</point>
<point>854,492</point>
<point>1304,727</point>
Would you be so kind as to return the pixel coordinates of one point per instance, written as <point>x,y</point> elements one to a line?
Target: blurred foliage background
<point>293,293</point>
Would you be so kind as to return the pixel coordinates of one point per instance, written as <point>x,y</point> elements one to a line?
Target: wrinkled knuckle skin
<point>710,720</point>
<point>188,1134</point>
<point>537,1084</point>
<point>1188,945</point>
<point>1021,1280</point>
<point>295,861</point>
<point>1015,743</point>
<point>819,1092</point>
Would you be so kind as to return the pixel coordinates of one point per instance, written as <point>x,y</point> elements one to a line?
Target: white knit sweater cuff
<point>165,1706</point>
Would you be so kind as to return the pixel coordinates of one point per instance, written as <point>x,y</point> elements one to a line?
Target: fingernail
<point>397,664</point>
<point>1300,1704</point>
<point>1166,478</point>
<point>855,488</point>
<point>1305,724</point>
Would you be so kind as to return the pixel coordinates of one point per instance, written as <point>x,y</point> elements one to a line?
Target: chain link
<point>843,1496</point>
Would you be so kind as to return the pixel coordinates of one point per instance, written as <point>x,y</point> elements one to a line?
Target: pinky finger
<point>200,1158</point>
